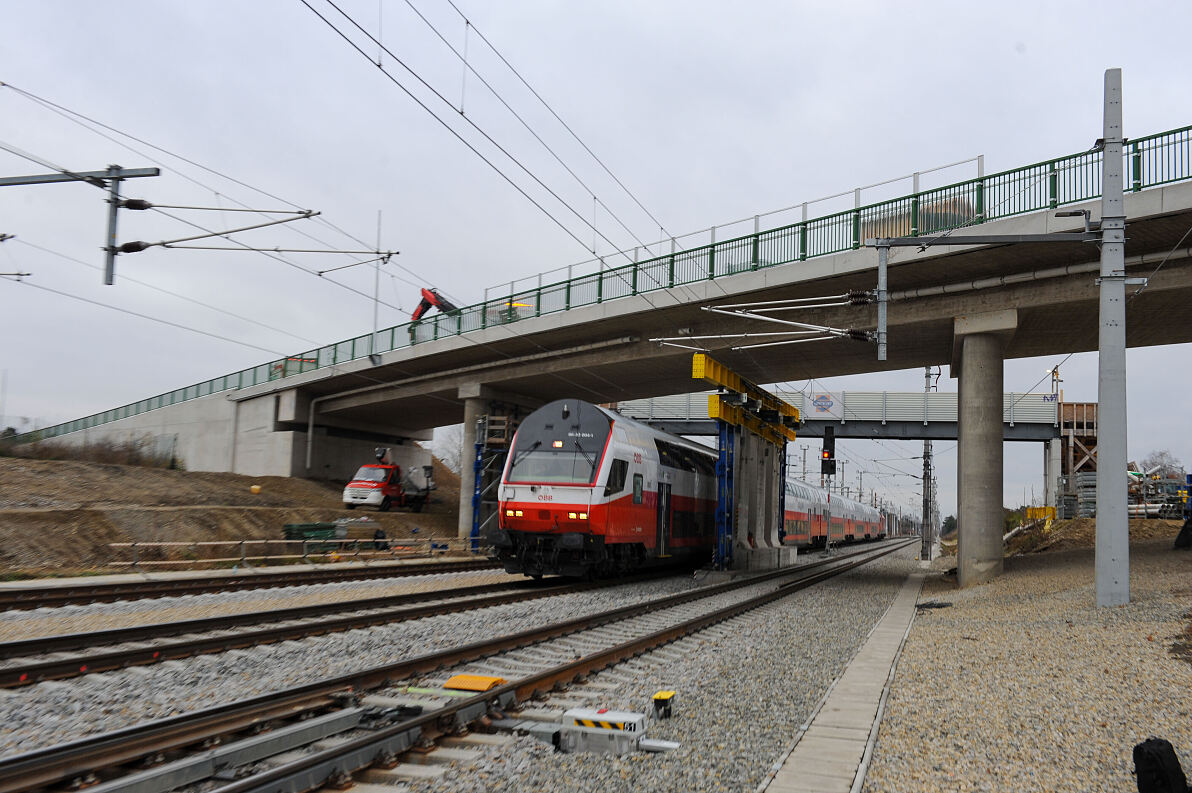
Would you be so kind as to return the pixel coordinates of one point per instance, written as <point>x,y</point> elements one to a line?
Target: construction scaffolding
<point>493,437</point>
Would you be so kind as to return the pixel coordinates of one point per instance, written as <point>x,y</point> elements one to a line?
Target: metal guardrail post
<point>670,281</point>
<point>712,256</point>
<point>1135,167</point>
<point>1053,185</point>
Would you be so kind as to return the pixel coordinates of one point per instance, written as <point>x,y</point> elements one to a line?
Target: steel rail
<point>54,643</point>
<point>53,596</point>
<point>64,762</point>
<point>365,613</point>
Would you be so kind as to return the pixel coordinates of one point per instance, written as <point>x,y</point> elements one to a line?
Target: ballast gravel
<point>33,623</point>
<point>744,688</point>
<point>57,711</point>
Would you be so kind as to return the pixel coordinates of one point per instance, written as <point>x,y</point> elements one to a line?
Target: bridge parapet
<point>842,407</point>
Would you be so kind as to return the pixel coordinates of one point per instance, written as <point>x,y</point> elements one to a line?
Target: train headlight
<point>509,513</point>
<point>583,516</point>
<point>518,513</point>
<point>571,515</point>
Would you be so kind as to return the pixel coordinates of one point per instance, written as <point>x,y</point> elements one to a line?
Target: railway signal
<point>828,455</point>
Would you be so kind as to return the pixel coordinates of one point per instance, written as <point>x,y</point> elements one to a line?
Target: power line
<point>558,118</point>
<point>470,123</point>
<point>281,259</point>
<point>516,115</point>
<point>148,317</point>
<point>172,294</point>
<point>79,119</point>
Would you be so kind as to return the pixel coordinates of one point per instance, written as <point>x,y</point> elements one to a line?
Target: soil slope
<point>62,514</point>
<point>1065,535</point>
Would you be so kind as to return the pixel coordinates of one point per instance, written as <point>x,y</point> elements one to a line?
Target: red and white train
<point>587,491</point>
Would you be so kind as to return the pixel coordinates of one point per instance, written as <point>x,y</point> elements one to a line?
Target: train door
<point>664,517</point>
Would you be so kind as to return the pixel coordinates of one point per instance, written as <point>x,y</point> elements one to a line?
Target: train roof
<point>656,433</point>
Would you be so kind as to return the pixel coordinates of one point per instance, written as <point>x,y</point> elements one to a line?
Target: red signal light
<point>826,454</point>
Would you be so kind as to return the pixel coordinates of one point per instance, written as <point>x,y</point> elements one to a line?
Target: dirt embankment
<point>1064,535</point>
<point>62,515</point>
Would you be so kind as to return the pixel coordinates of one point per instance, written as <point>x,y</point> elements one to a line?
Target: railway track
<point>77,594</point>
<point>29,661</point>
<point>380,735</point>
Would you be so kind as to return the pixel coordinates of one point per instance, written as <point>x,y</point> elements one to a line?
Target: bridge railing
<point>1148,161</point>
<point>855,406</point>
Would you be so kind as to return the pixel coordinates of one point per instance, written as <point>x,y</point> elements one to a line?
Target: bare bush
<point>143,452</point>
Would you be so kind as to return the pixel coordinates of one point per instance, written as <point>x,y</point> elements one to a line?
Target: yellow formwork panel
<point>774,433</point>
<point>706,368</point>
<point>474,682</point>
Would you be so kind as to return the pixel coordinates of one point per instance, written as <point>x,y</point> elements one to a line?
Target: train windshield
<point>560,443</point>
<point>370,473</point>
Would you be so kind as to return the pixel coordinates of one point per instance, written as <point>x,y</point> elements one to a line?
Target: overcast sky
<point>708,112</point>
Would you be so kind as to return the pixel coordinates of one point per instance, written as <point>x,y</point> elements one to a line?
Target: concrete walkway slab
<point>831,754</point>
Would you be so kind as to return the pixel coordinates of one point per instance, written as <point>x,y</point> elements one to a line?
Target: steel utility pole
<point>925,549</point>
<point>1112,577</point>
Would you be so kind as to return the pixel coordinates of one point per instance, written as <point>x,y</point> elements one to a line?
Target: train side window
<point>637,488</point>
<point>616,477</point>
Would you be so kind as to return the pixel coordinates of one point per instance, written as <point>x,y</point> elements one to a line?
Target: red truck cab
<point>383,485</point>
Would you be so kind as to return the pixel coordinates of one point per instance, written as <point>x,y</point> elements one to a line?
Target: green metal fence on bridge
<point>1150,161</point>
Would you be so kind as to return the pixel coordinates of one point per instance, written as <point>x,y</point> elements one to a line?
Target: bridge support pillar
<point>977,361</point>
<point>474,408</point>
<point>1051,473</point>
<point>756,543</point>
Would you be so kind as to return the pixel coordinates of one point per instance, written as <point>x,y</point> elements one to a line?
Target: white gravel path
<point>1023,685</point>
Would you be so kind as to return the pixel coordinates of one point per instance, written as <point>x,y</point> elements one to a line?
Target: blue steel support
<point>478,467</point>
<point>781,492</point>
<point>724,496</point>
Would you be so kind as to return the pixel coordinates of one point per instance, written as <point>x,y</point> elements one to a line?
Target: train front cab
<point>549,519</point>
<point>585,494</point>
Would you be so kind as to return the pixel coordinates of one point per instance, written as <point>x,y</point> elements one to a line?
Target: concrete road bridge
<point>320,412</point>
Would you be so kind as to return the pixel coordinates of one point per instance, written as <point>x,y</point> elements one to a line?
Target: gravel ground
<point>744,688</point>
<point>1022,684</point>
<point>21,624</point>
<point>56,711</point>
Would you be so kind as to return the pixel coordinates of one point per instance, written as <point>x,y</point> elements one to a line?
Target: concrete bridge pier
<point>978,343</point>
<point>1051,473</point>
<point>756,542</point>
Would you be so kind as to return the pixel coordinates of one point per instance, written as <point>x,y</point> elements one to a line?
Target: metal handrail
<point>360,547</point>
<point>1150,161</point>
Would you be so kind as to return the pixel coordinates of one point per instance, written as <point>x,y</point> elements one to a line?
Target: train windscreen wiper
<point>590,460</point>
<point>522,454</point>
